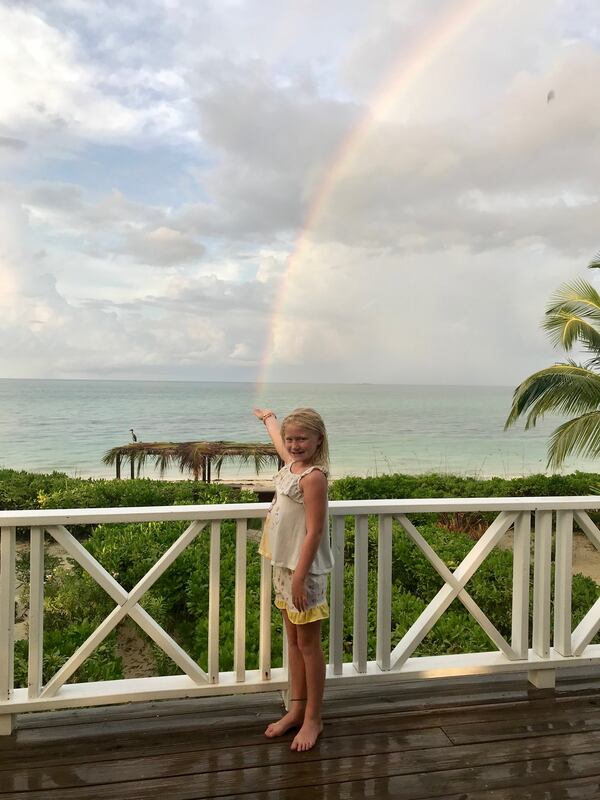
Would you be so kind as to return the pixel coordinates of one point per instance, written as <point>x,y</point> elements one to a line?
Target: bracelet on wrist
<point>267,415</point>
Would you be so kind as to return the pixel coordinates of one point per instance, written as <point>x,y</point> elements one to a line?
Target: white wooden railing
<point>528,651</point>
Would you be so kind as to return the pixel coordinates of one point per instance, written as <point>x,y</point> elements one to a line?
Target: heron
<point>133,436</point>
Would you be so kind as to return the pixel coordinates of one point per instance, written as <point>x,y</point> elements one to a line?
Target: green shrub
<point>20,490</point>
<point>21,650</point>
<point>400,486</point>
<point>139,492</point>
<point>59,644</point>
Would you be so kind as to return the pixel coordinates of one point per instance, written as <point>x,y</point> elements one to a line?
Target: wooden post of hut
<point>132,457</point>
<point>118,466</point>
<point>208,469</point>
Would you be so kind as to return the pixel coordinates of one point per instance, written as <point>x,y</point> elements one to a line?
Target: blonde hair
<point>310,420</point>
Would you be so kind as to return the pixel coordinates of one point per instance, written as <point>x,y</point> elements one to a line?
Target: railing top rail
<point>80,516</point>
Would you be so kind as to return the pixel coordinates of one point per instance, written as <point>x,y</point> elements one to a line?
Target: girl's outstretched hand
<point>269,418</point>
<point>260,412</point>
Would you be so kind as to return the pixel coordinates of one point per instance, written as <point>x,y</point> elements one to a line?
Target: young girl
<point>296,539</point>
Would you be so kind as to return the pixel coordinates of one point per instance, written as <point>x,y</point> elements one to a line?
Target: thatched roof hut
<point>198,458</point>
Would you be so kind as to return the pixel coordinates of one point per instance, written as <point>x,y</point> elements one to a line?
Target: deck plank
<point>155,708</point>
<point>492,731</point>
<point>525,783</point>
<point>339,760</point>
<point>226,759</point>
<point>570,789</point>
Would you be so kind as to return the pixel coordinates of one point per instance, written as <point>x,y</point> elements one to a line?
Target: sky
<point>293,190</point>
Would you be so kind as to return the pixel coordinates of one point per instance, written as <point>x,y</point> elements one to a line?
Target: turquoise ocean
<point>68,425</point>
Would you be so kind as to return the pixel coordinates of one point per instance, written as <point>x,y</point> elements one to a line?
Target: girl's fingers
<point>300,603</point>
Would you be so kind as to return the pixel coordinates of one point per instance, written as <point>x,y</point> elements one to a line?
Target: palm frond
<point>124,451</point>
<point>595,262</point>
<point>192,456</point>
<point>164,458</point>
<point>261,460</point>
<point>561,389</point>
<point>566,329</point>
<point>580,293</point>
<point>580,436</point>
<point>573,314</point>
<point>593,363</point>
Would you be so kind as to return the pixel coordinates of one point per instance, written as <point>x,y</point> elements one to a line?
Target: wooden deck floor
<point>471,739</point>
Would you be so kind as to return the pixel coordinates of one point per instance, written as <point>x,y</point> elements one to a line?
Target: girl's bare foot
<point>293,719</point>
<point>307,736</point>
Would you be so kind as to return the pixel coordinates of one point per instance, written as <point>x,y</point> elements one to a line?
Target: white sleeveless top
<point>285,526</point>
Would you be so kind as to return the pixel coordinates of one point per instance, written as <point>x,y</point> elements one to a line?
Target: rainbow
<point>406,71</point>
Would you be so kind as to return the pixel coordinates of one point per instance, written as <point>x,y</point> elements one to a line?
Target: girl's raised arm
<point>270,420</point>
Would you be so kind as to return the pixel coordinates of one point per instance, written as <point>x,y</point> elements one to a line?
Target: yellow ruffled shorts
<point>316,593</point>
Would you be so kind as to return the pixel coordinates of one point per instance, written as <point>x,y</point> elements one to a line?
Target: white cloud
<point>45,86</point>
<point>54,92</point>
<point>242,352</point>
<point>162,247</point>
<point>186,327</point>
<point>271,266</point>
<point>354,314</point>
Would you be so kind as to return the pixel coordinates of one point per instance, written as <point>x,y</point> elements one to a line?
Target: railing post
<point>285,693</point>
<point>520,598</point>
<point>7,622</point>
<point>336,620</point>
<point>213,601</point>
<point>239,635</point>
<point>35,619</point>
<point>384,592</point>
<point>361,593</point>
<point>542,678</point>
<point>264,647</point>
<point>563,580</point>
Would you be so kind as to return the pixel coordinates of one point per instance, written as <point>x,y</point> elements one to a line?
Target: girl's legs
<point>295,716</point>
<point>308,639</point>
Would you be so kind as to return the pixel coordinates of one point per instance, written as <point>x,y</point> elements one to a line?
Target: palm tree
<point>572,317</point>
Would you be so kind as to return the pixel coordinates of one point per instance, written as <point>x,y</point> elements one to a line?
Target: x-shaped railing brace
<point>454,587</point>
<point>128,604</point>
<point>590,624</point>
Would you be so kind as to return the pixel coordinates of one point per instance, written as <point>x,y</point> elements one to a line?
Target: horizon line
<point>269,383</point>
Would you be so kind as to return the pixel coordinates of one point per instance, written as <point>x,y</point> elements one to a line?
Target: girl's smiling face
<point>301,443</point>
